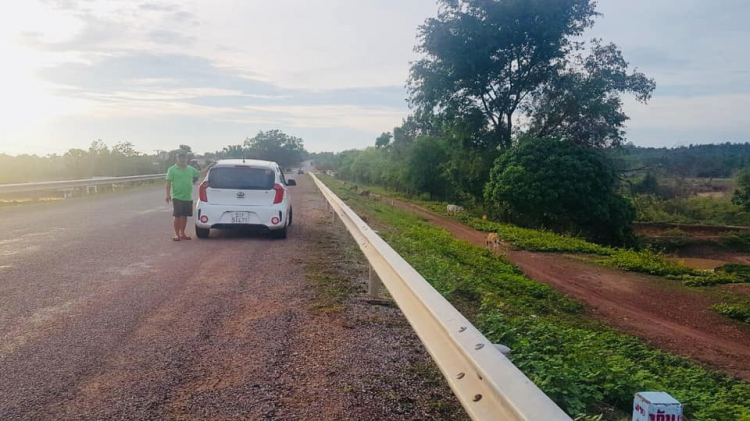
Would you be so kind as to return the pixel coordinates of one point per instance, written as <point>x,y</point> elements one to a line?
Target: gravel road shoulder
<point>236,327</point>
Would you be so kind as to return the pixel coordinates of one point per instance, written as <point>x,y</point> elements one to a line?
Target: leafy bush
<point>739,312</point>
<point>562,186</point>
<point>742,194</point>
<point>706,278</point>
<point>647,261</point>
<point>741,271</point>
<point>579,363</point>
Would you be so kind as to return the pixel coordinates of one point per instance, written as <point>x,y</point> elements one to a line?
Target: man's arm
<point>205,170</point>
<point>169,191</point>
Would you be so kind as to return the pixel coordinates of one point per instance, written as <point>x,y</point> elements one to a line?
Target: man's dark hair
<point>182,154</point>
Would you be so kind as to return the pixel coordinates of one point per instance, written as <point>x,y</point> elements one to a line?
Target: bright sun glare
<point>27,101</point>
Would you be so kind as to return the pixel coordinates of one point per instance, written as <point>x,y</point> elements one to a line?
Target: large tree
<point>486,60</point>
<point>582,103</point>
<point>277,146</point>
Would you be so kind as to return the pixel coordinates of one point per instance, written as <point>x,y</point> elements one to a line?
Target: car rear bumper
<point>220,217</point>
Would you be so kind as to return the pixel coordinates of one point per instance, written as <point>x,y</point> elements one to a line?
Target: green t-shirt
<point>182,181</point>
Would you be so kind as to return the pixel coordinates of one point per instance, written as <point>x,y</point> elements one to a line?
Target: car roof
<point>256,163</point>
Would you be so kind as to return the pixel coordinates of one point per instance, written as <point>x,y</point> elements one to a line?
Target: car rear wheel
<point>202,232</point>
<point>279,233</point>
<point>291,216</point>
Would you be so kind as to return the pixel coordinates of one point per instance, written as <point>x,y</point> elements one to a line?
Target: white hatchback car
<point>244,193</point>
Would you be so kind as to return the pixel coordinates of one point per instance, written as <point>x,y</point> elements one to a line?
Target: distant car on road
<point>244,193</point>
<point>299,171</point>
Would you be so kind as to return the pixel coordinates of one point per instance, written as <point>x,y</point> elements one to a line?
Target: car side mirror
<point>291,183</point>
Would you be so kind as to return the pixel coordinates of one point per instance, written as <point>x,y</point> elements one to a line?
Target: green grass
<point>739,312</point>
<point>581,364</point>
<point>642,261</point>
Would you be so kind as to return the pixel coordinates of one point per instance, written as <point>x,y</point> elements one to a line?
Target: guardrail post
<point>374,283</point>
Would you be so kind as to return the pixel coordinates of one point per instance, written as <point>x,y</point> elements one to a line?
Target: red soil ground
<point>664,313</point>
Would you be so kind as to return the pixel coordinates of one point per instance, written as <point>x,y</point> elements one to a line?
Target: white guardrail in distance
<point>486,383</point>
<point>58,185</point>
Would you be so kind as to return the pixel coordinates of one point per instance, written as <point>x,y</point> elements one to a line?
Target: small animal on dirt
<point>364,193</point>
<point>375,196</point>
<point>493,240</point>
<point>454,209</point>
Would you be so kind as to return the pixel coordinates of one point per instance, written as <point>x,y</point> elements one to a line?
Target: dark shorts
<point>182,208</point>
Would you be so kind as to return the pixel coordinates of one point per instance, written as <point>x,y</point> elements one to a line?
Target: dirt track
<point>663,313</point>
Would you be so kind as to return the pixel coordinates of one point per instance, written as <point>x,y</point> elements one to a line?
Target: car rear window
<point>241,178</point>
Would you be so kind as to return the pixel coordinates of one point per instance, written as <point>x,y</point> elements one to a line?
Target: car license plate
<point>241,218</point>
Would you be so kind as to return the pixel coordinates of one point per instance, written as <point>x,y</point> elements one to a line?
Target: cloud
<point>163,36</point>
<point>62,4</point>
<point>184,17</point>
<point>132,85</point>
<point>95,34</point>
<point>160,7</point>
<point>164,73</point>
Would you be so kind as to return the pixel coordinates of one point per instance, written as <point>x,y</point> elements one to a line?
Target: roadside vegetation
<point>486,65</point>
<point>584,366</point>
<point>740,312</point>
<point>642,260</point>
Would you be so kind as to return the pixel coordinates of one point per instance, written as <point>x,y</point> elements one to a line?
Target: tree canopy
<point>272,145</point>
<point>486,60</point>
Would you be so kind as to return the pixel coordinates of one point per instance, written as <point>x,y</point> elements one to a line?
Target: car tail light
<point>275,220</point>
<point>204,219</point>
<point>279,193</point>
<point>202,191</point>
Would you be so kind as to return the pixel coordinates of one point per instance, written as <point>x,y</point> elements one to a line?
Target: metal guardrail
<point>486,383</point>
<point>58,185</point>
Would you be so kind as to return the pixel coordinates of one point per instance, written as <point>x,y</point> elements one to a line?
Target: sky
<point>209,73</point>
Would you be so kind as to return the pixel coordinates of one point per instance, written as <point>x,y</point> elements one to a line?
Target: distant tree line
<point>100,160</point>
<point>694,161</point>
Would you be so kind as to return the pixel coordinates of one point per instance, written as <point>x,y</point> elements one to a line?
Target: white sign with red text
<point>656,406</point>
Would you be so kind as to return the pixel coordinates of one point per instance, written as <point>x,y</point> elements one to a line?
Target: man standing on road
<point>180,193</point>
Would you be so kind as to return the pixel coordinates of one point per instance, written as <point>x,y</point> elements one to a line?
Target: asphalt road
<point>102,316</point>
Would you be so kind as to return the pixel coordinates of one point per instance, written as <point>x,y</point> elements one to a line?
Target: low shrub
<point>647,261</point>
<point>739,312</point>
<point>736,269</point>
